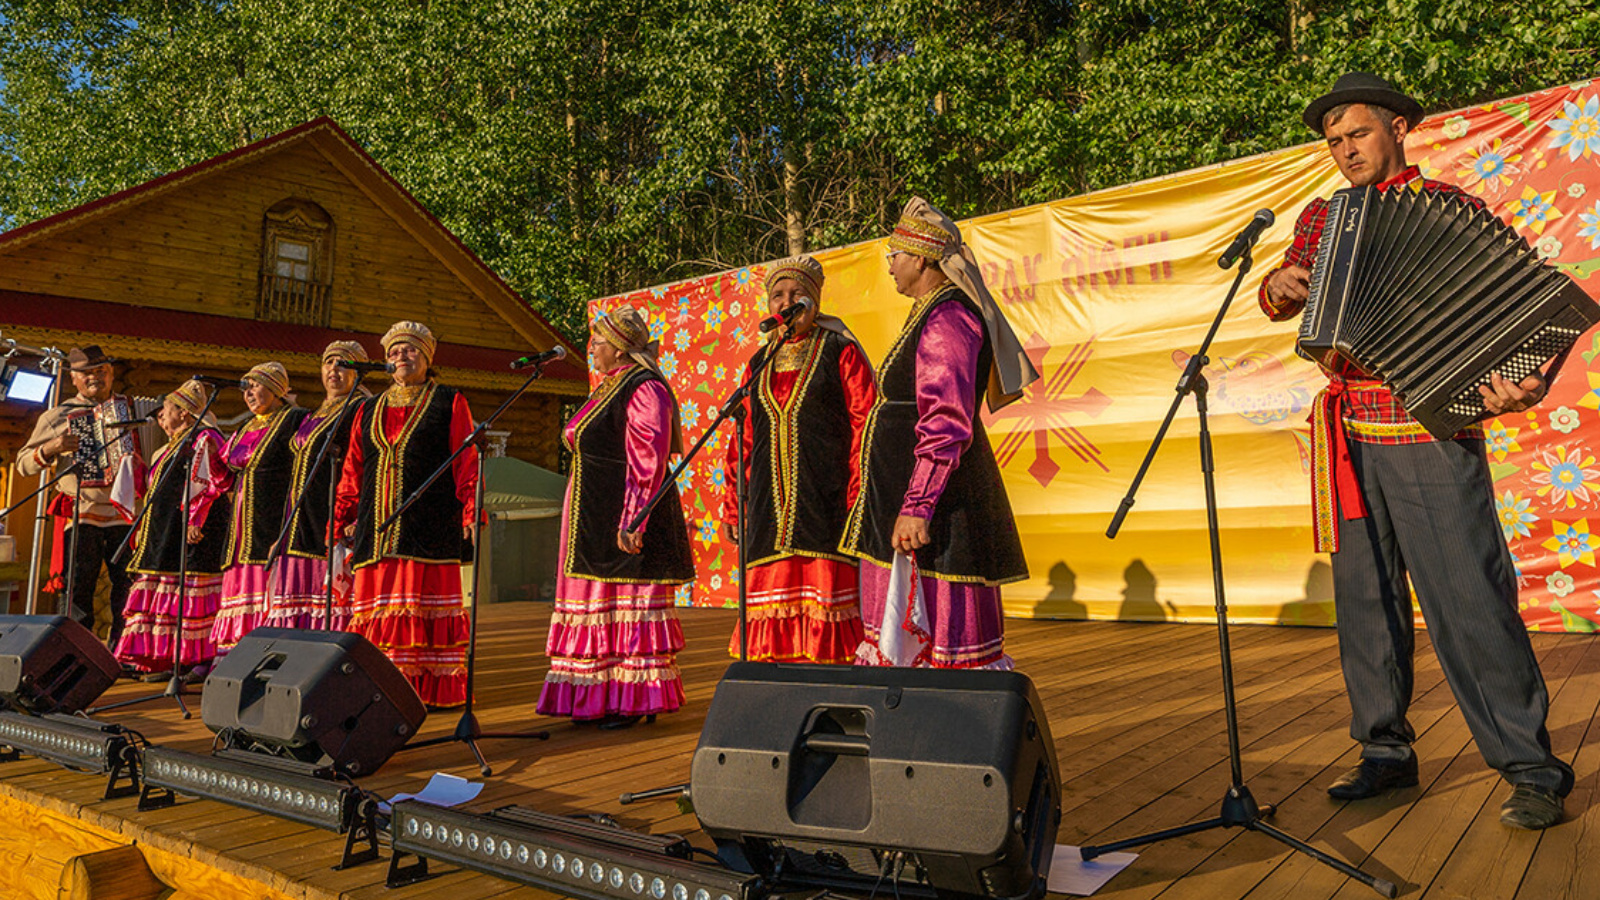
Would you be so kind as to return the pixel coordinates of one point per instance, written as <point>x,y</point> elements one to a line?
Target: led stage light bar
<point>285,788</point>
<point>570,857</point>
<point>76,743</point>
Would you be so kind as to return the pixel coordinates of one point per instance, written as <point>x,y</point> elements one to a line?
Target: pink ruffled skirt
<point>152,621</point>
<point>613,650</point>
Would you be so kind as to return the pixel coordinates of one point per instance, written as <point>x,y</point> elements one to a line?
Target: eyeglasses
<point>889,257</point>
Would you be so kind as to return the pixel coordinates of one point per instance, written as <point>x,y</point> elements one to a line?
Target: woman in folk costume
<point>406,597</point>
<point>614,635</point>
<point>932,507</point>
<point>261,457</point>
<point>152,625</point>
<point>300,579</point>
<point>806,415</point>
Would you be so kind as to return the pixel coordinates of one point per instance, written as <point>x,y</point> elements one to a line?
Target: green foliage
<point>585,147</point>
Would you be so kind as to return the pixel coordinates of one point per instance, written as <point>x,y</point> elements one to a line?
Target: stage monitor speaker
<point>930,782</point>
<point>317,696</point>
<point>52,664</point>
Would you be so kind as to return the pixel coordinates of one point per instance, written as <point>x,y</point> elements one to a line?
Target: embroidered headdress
<point>926,232</point>
<point>351,350</point>
<point>625,329</point>
<point>414,333</point>
<point>272,376</point>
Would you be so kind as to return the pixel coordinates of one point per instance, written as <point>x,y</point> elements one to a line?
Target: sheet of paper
<point>442,790</point>
<point>1070,874</point>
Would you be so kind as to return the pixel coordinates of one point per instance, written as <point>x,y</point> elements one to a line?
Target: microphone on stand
<point>365,367</point>
<point>787,315</point>
<point>215,381</point>
<point>1263,219</point>
<point>539,359</point>
<point>145,419</point>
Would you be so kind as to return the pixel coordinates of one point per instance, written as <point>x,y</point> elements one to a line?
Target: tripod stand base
<point>468,732</point>
<point>174,690</point>
<point>1240,810</point>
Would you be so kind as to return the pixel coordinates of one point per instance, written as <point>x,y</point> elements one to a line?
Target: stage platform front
<point>1136,715</point>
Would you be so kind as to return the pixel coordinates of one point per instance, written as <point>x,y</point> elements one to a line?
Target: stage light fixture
<point>569,857</point>
<point>286,788</point>
<point>76,743</point>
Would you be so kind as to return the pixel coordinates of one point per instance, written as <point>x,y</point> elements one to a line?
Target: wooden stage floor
<point>1135,711</point>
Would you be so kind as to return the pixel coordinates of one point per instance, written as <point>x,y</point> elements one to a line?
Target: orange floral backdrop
<point>1110,290</point>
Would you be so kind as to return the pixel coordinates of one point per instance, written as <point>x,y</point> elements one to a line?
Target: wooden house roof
<point>165,333</point>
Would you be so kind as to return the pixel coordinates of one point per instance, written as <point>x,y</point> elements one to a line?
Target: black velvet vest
<point>261,490</point>
<point>163,531</point>
<point>800,462</point>
<point>430,530</point>
<point>594,507</point>
<point>309,534</point>
<point>973,536</point>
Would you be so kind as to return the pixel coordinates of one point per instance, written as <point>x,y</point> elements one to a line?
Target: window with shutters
<point>296,264</point>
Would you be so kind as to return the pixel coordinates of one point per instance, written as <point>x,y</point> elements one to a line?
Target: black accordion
<point>1430,295</point>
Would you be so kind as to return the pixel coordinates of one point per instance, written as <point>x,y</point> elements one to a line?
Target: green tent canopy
<point>514,489</point>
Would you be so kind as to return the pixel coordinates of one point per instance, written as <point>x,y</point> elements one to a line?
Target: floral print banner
<point>1110,292</point>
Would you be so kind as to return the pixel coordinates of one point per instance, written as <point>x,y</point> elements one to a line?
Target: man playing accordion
<point>101,528</point>
<point>1392,502</point>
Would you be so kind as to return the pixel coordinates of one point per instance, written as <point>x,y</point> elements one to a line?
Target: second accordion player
<point>1431,295</point>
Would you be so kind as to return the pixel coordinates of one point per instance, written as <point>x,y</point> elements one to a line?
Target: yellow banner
<point>1111,291</point>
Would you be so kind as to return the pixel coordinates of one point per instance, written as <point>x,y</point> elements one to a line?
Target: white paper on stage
<point>442,790</point>
<point>1070,874</point>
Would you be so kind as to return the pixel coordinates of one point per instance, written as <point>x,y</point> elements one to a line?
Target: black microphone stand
<point>69,469</point>
<point>467,730</point>
<point>335,457</point>
<point>64,604</point>
<point>65,471</point>
<point>185,465</point>
<point>732,408</point>
<point>1239,808</point>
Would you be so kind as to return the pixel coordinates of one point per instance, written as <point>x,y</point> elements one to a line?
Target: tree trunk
<point>1300,16</point>
<point>794,228</point>
<point>574,187</point>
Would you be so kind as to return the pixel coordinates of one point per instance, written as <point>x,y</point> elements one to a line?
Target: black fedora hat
<point>85,358</point>
<point>1360,87</point>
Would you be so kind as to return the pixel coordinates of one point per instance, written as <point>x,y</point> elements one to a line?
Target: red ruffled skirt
<point>802,609</point>
<point>412,612</point>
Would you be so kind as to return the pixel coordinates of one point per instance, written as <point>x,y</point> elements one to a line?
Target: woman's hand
<point>630,541</point>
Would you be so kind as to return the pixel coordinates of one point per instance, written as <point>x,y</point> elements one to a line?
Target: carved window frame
<point>293,289</point>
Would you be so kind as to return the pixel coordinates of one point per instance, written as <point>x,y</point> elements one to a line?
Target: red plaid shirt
<point>1370,411</point>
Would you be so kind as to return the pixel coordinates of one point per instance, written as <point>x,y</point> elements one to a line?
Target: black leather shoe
<point>1531,807</point>
<point>619,722</point>
<point>1372,778</point>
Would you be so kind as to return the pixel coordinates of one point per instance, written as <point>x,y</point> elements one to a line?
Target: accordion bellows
<point>1430,295</point>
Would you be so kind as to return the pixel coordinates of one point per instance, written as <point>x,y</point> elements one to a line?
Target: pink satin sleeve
<point>947,369</point>
<point>242,446</point>
<point>647,443</point>
<point>208,443</point>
